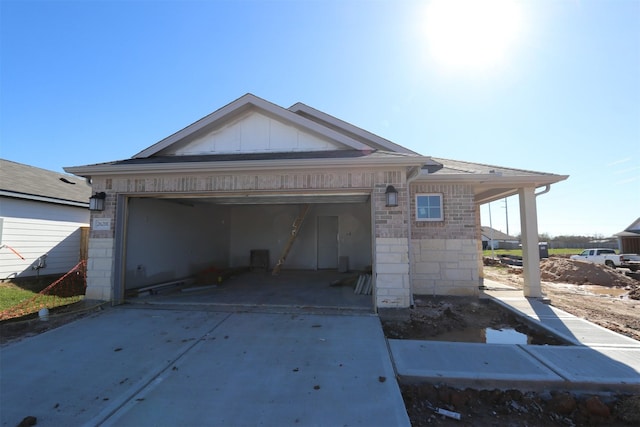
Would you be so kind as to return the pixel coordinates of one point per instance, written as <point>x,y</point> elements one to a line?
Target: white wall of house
<point>254,133</point>
<point>269,227</point>
<point>166,240</point>
<point>38,231</point>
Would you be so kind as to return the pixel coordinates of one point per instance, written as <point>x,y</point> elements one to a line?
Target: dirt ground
<point>27,326</point>
<point>597,293</point>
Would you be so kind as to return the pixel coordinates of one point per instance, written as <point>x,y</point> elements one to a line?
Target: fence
<point>68,289</point>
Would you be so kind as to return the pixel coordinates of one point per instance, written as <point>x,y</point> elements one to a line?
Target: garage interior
<point>226,250</point>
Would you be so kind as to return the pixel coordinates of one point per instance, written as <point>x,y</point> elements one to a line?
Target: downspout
<point>546,190</point>
<point>413,175</point>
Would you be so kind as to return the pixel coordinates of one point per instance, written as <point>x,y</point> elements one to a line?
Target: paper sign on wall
<point>101,224</point>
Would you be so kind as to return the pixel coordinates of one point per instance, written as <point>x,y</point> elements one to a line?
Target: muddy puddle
<point>499,336</point>
<point>460,319</point>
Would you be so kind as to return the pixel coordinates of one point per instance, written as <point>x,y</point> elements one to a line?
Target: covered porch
<point>491,183</point>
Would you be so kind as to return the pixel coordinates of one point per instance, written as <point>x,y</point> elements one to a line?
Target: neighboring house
<point>497,239</point>
<point>41,216</point>
<point>235,181</point>
<point>629,239</point>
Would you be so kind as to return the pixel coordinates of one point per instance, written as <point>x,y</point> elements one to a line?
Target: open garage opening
<point>223,250</point>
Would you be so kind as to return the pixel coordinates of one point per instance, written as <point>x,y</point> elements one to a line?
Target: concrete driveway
<point>134,366</point>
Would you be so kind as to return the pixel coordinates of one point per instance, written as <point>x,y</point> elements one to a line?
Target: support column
<point>479,246</point>
<point>529,237</point>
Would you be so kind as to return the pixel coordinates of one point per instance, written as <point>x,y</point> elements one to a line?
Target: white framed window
<point>429,207</point>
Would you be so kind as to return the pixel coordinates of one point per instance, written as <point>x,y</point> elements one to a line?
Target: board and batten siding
<point>35,229</point>
<point>253,133</point>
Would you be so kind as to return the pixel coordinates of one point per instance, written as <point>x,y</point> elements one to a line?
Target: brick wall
<point>444,254</point>
<point>459,212</point>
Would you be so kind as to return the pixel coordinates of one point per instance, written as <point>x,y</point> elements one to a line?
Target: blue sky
<point>92,81</point>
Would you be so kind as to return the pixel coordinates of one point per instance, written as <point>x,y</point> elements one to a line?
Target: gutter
<point>546,190</point>
<point>543,179</point>
<point>44,199</point>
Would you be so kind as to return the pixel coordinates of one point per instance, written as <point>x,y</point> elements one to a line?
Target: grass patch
<point>23,295</point>
<point>518,252</point>
<point>11,295</point>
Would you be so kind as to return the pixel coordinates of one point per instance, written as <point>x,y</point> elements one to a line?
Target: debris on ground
<point>598,293</point>
<point>362,284</point>
<point>516,408</point>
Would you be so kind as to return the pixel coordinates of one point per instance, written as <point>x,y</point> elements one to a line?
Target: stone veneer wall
<point>444,257</point>
<point>391,267</point>
<point>100,269</point>
<point>393,289</point>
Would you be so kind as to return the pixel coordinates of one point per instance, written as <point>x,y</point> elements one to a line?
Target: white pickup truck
<point>610,258</point>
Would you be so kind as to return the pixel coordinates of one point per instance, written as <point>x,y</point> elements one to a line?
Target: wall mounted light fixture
<point>96,202</point>
<point>392,196</point>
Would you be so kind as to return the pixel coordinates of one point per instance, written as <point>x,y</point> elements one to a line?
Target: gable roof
<point>492,233</point>
<point>22,181</point>
<point>241,105</point>
<point>303,138</point>
<point>194,149</point>
<point>354,132</point>
<point>634,227</point>
<point>631,231</point>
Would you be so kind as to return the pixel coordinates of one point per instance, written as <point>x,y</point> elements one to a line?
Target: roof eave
<point>484,179</point>
<point>44,199</point>
<point>246,165</point>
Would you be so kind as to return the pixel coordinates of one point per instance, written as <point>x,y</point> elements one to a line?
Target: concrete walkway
<point>135,366</point>
<point>599,359</point>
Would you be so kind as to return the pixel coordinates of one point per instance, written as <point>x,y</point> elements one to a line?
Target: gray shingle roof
<point>461,167</point>
<point>334,154</point>
<point>496,234</point>
<point>22,180</point>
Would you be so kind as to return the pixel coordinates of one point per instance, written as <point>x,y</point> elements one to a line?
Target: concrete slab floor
<point>172,367</point>
<point>294,288</point>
